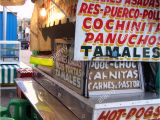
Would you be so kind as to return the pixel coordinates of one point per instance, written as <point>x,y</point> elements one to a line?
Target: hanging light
<point>43,11</point>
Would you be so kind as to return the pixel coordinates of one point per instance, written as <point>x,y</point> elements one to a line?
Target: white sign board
<point>147,112</point>
<point>119,30</point>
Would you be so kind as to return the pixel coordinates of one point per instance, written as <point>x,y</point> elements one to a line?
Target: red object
<point>24,72</point>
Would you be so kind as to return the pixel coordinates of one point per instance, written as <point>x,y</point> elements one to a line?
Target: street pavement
<point>25,55</point>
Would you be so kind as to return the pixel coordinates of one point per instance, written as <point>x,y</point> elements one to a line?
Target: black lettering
<point>98,51</point>
<point>86,49</point>
<point>146,52</point>
<point>135,53</point>
<point>126,52</point>
<point>112,53</point>
<point>156,52</point>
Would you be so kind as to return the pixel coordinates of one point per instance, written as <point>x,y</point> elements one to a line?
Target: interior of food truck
<point>91,64</point>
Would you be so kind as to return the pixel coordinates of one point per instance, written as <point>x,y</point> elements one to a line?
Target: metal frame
<point>91,106</point>
<point>19,47</point>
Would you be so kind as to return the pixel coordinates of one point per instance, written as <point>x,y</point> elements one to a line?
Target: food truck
<point>99,58</point>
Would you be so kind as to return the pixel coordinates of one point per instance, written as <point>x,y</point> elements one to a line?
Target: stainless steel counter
<point>84,108</point>
<point>88,108</point>
<point>48,107</point>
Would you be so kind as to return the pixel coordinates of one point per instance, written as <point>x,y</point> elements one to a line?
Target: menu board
<point>118,30</point>
<point>66,70</point>
<point>145,112</point>
<point>117,77</point>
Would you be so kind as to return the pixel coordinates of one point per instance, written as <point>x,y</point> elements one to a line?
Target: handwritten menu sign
<point>119,30</point>
<point>67,71</point>
<point>105,76</point>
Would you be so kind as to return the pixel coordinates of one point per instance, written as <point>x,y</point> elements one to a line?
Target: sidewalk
<point>25,55</point>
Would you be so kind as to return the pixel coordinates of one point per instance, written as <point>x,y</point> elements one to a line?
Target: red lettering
<point>99,38</point>
<point>122,41</point>
<point>140,112</point>
<point>152,40</point>
<point>89,37</point>
<point>139,3</point>
<point>131,13</point>
<point>87,23</point>
<point>90,8</point>
<point>107,10</point>
<point>136,13</point>
<point>83,8</point>
<point>143,27</point>
<point>156,15</point>
<point>145,3</point>
<point>148,112</point>
<point>119,13</point>
<point>157,3</point>
<point>119,1</point>
<point>120,113</point>
<point>151,4</point>
<point>150,14</point>
<point>111,39</point>
<point>131,38</point>
<point>133,2</point>
<point>114,11</point>
<point>128,25</point>
<point>112,1</point>
<point>158,28</point>
<point>128,2</point>
<point>108,24</point>
<point>120,25</point>
<point>131,113</point>
<point>142,41</point>
<point>97,8</point>
<point>136,26</point>
<point>98,23</point>
<point>145,14</point>
<point>103,116</point>
<point>125,13</point>
<point>113,115</point>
